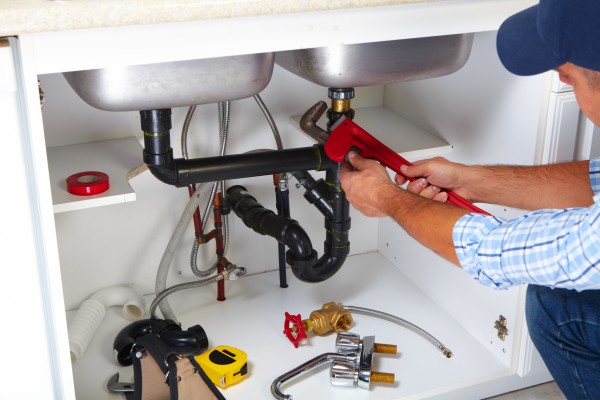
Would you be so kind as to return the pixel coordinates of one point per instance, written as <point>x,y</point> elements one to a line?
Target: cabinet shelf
<point>114,157</point>
<point>396,132</point>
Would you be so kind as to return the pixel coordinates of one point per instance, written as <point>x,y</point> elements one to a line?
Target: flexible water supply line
<point>167,258</point>
<point>184,153</point>
<point>184,131</point>
<point>231,272</point>
<point>270,120</point>
<point>92,312</point>
<point>187,285</point>
<point>223,114</point>
<point>402,322</point>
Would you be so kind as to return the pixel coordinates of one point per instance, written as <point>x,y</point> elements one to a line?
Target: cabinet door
<point>561,143</point>
<point>561,129</point>
<point>33,314</point>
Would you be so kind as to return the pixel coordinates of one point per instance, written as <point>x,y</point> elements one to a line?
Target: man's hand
<point>367,185</point>
<point>364,182</point>
<point>433,174</point>
<point>371,191</point>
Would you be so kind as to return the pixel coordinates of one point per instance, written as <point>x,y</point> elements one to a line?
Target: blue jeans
<point>565,328</point>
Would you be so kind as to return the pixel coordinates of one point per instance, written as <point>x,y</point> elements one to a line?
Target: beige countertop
<point>27,16</point>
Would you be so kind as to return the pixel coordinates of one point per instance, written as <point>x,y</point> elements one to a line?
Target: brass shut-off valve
<point>332,317</point>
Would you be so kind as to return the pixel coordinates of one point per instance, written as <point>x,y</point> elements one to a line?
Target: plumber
<point>555,246</point>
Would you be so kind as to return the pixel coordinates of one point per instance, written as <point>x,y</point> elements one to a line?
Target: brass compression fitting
<point>340,99</point>
<point>340,103</point>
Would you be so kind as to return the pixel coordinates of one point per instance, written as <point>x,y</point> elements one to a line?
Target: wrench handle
<point>347,136</point>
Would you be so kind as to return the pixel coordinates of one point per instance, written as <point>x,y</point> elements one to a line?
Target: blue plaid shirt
<point>556,247</point>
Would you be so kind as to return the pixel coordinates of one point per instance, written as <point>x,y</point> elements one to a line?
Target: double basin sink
<point>195,82</point>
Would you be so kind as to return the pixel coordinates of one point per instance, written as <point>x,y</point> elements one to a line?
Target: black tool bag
<point>162,374</point>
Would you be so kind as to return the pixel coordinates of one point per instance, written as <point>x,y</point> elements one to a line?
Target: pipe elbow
<point>126,338</point>
<point>319,271</point>
<point>308,268</point>
<point>191,341</point>
<point>337,248</point>
<point>166,173</point>
<point>133,303</point>
<point>297,241</point>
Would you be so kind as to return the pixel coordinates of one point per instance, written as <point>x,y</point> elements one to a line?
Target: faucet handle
<point>359,373</point>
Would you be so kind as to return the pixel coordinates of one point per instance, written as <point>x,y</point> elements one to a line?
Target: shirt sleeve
<point>555,248</point>
<point>594,169</point>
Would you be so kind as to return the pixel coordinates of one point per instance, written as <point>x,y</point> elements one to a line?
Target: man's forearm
<point>546,186</point>
<point>429,222</point>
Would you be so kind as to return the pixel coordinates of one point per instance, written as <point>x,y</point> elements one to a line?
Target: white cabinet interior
<point>474,115</point>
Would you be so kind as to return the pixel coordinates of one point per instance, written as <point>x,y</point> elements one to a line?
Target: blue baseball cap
<point>549,34</point>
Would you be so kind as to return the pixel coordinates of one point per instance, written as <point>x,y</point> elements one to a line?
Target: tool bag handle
<point>161,374</point>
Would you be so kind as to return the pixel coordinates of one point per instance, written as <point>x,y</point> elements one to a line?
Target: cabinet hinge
<point>500,325</point>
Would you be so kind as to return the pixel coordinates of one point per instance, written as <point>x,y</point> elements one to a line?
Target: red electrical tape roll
<point>87,183</point>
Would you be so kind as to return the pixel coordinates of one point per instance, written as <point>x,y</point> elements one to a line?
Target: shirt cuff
<point>594,169</point>
<point>467,235</point>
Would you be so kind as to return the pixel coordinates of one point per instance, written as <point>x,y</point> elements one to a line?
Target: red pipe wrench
<point>346,136</point>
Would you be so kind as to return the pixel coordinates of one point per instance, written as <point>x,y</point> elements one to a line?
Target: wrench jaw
<point>308,122</point>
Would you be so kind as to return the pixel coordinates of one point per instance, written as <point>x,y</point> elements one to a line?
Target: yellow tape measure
<point>224,365</point>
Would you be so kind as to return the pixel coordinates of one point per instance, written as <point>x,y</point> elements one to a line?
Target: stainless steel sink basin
<point>369,64</point>
<point>173,84</point>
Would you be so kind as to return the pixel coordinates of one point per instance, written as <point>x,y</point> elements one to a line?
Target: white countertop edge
<point>30,16</point>
<point>61,51</point>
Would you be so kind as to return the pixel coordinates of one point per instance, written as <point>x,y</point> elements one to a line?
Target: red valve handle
<point>294,329</point>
